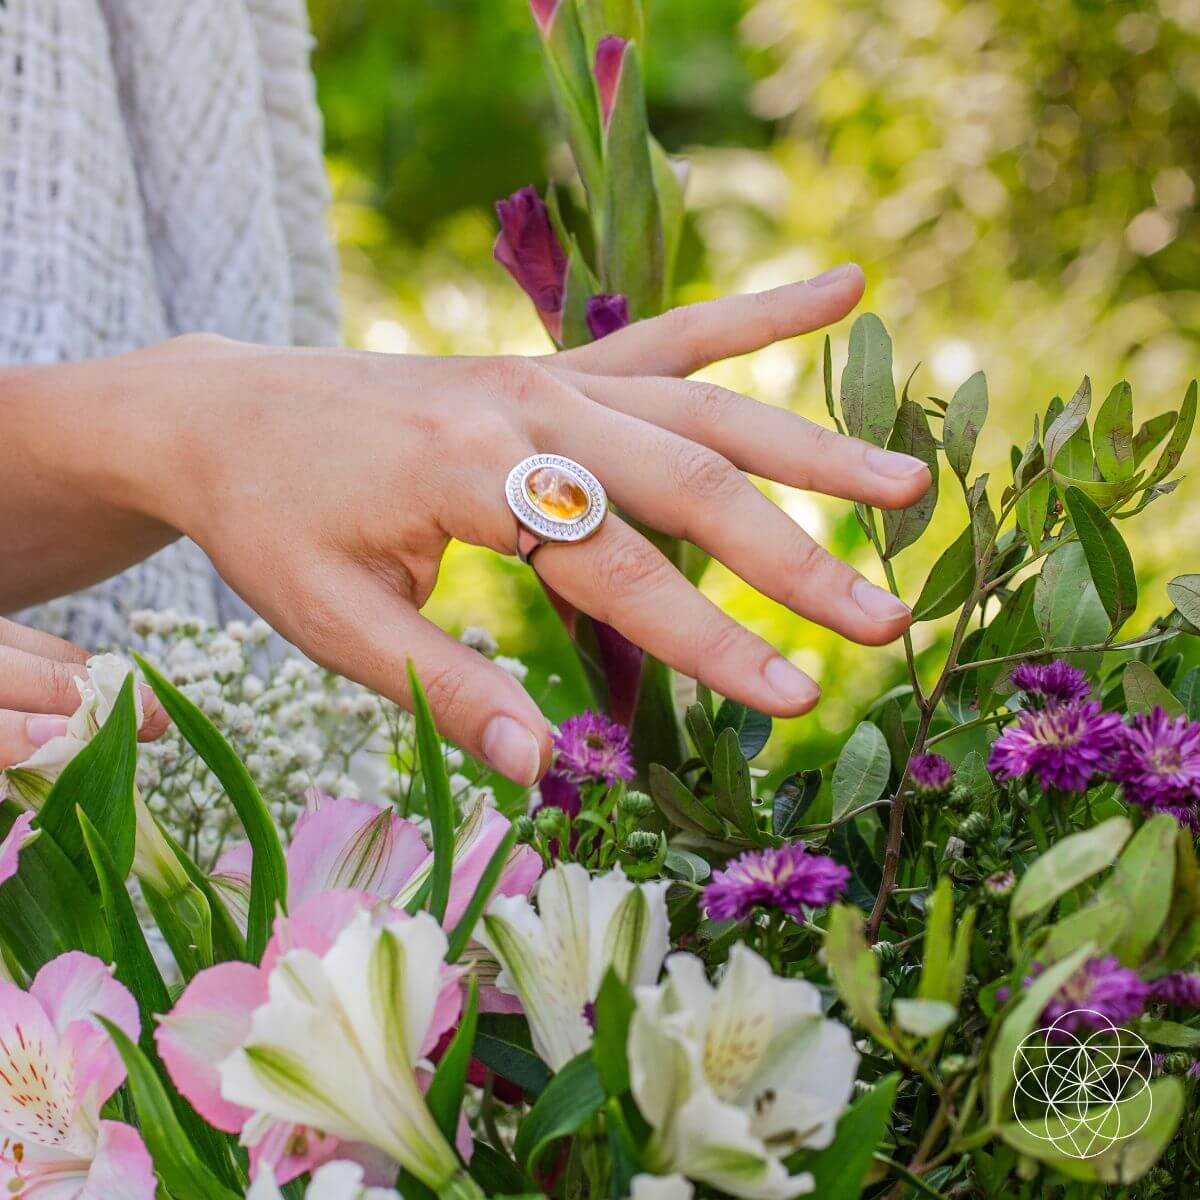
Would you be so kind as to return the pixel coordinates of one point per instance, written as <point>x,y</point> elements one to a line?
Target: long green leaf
<point>1108,558</point>
<point>1113,434</point>
<point>1068,422</point>
<point>462,932</point>
<point>1142,881</point>
<point>1067,864</point>
<point>566,1105</point>
<point>1177,443</point>
<point>445,1095</point>
<point>950,581</point>
<point>911,435</point>
<point>437,795</point>
<point>868,389</point>
<point>731,784</point>
<point>503,1044</point>
<point>1144,691</point>
<point>99,780</point>
<point>862,769</point>
<point>1184,591</point>
<point>965,415</point>
<point>268,871</point>
<point>614,1012</point>
<point>679,805</point>
<point>1066,605</point>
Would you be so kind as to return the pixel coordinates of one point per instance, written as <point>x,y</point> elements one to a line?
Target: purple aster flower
<point>1193,1072</point>
<point>1063,747</point>
<point>1158,1063</point>
<point>1100,990</point>
<point>1158,765</point>
<point>607,314</point>
<point>1051,683</point>
<point>1179,988</point>
<point>592,748</point>
<point>930,773</point>
<point>785,878</point>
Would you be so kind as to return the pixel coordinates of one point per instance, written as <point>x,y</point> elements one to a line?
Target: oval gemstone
<point>556,493</point>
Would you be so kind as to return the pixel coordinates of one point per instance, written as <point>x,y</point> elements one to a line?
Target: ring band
<point>554,500</point>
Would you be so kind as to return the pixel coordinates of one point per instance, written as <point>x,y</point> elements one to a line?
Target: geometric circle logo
<point>1082,1089</point>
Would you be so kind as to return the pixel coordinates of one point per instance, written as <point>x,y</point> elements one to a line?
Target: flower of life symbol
<point>1085,1092</point>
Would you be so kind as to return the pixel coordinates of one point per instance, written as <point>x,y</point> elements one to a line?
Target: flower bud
<point>954,1064</point>
<point>524,827</point>
<point>636,804</point>
<point>610,58</point>
<point>1000,884</point>
<point>886,952</point>
<point>973,827</point>
<point>528,248</point>
<point>642,845</point>
<point>607,314</point>
<point>552,823</point>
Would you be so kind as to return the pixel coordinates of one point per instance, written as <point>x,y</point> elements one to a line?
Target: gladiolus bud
<point>607,314</point>
<point>544,12</point>
<point>529,249</point>
<point>610,57</point>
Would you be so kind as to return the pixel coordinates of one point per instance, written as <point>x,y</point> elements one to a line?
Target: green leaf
<point>854,969</point>
<point>268,872</point>
<point>1113,434</point>
<point>46,908</point>
<point>1033,502</point>
<point>1142,881</point>
<point>683,864</point>
<point>1068,422</point>
<point>437,795</point>
<point>1150,434</point>
<point>495,1172</point>
<point>827,374</point>
<point>965,415</point>
<point>1013,630</point>
<point>700,729</point>
<point>1105,494</point>
<point>862,769</point>
<point>793,798</point>
<point>951,580</point>
<point>99,780</point>
<point>753,728</point>
<point>1066,605</point>
<point>175,1159</point>
<point>633,246</point>
<point>1067,864</point>
<point>1021,1021</point>
<point>1169,1033</point>
<point>731,785</point>
<point>840,1170</point>
<point>677,803</point>
<point>614,1011</point>
<point>480,897</point>
<point>939,936</point>
<point>1099,924</point>
<point>568,1102</point>
<point>1184,591</point>
<point>911,435</point>
<point>1177,443</point>
<point>445,1095</point>
<point>1107,556</point>
<point>670,203</point>
<point>1188,692</point>
<point>503,1044</point>
<point>1144,691</point>
<point>579,286</point>
<point>868,389</point>
<point>923,1018</point>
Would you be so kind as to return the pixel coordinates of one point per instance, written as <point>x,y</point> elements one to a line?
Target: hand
<point>38,692</point>
<point>326,485</point>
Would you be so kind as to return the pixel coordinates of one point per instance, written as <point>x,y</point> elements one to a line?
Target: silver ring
<point>554,500</point>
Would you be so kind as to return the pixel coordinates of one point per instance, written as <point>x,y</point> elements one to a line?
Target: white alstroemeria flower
<point>735,1078</point>
<point>333,1181</point>
<point>98,692</point>
<point>335,1045</point>
<point>660,1187</point>
<point>555,958</point>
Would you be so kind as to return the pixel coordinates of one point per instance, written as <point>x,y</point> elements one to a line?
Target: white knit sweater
<point>160,173</point>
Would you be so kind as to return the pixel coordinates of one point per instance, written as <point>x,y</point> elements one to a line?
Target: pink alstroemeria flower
<point>528,248</point>
<point>19,836</point>
<point>57,1068</point>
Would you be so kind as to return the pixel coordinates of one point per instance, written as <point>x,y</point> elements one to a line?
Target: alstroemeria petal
<point>520,873</point>
<point>209,1021</point>
<point>19,836</point>
<point>121,1170</point>
<point>37,1100</point>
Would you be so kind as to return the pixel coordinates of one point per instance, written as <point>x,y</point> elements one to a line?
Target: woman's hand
<point>38,692</point>
<point>325,485</point>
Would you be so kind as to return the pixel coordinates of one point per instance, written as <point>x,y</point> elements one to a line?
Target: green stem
<point>991,719</point>
<point>1135,644</point>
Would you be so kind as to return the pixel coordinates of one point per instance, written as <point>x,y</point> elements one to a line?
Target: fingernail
<point>893,465</point>
<point>832,275</point>
<point>150,704</point>
<point>39,730</point>
<point>876,603</point>
<point>512,750</point>
<point>789,683</point>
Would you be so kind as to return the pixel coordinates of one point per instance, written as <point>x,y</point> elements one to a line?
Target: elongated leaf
<point>827,375</point>
<point>579,286</point>
<point>753,728</point>
<point>1184,591</point>
<point>1169,1033</point>
<point>614,1012</point>
<point>1177,442</point>
<point>677,803</point>
<point>862,769</point>
<point>502,1043</point>
<point>567,1104</point>
<point>1144,691</point>
<point>437,795</point>
<point>1067,864</point>
<point>1099,924</point>
<point>46,908</point>
<point>1142,881</point>
<point>669,185</point>
<point>495,1172</point>
<point>951,580</point>
<point>1113,434</point>
<point>731,785</point>
<point>1013,630</point>
<point>1150,434</point>
<point>1033,503</point>
<point>99,780</point>
<point>1069,421</point>
<point>1187,690</point>
<point>868,389</point>
<point>793,798</point>
<point>268,872</point>
<point>1107,556</point>
<point>855,970</point>
<point>939,937</point>
<point>445,1095</point>
<point>911,435</point>
<point>840,1170</point>
<point>700,729</point>
<point>965,415</point>
<point>480,897</point>
<point>1066,605</point>
<point>1107,495</point>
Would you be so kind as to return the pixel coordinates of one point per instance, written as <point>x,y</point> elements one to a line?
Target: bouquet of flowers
<point>299,949</point>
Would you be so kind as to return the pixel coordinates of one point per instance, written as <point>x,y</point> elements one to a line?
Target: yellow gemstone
<point>556,493</point>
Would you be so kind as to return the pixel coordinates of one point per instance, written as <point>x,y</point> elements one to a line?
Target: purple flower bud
<point>528,248</point>
<point>607,314</point>
<point>930,774</point>
<point>610,57</point>
<point>544,12</point>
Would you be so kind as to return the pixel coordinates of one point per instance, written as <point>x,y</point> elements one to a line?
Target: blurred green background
<point>1018,181</point>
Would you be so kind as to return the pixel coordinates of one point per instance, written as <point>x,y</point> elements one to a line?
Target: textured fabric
<point>160,173</point>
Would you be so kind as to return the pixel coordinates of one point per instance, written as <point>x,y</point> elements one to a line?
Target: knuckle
<point>708,404</point>
<point>721,639</point>
<point>806,559</point>
<point>446,690</point>
<point>825,441</point>
<point>315,622</point>
<point>56,682</point>
<point>516,380</point>
<point>704,474</point>
<point>635,567</point>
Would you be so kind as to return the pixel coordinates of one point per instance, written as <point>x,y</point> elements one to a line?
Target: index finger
<point>685,339</point>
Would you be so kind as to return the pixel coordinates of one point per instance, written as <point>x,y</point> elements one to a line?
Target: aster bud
<point>886,952</point>
<point>1000,884</point>
<point>552,823</point>
<point>525,830</point>
<point>636,804</point>
<point>955,1064</point>
<point>642,845</point>
<point>973,827</point>
<point>1177,1062</point>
